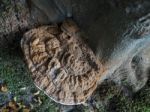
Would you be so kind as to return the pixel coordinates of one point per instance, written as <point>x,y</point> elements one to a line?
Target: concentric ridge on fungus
<point>61,64</point>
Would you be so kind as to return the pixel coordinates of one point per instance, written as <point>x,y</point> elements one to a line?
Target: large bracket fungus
<point>61,64</point>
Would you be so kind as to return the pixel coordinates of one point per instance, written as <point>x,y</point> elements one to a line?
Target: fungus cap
<point>61,64</point>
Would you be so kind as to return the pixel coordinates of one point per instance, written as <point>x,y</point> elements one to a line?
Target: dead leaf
<point>36,93</point>
<point>13,105</point>
<point>26,110</point>
<point>3,88</point>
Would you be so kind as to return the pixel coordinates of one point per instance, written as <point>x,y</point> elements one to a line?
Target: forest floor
<point>17,91</point>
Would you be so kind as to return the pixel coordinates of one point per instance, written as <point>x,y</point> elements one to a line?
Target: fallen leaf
<point>15,98</point>
<point>3,88</point>
<point>13,105</point>
<point>31,106</point>
<point>26,110</point>
<point>36,93</point>
<point>39,101</point>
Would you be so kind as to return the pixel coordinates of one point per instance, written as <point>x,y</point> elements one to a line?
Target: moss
<point>14,72</point>
<point>5,5</point>
<point>139,103</point>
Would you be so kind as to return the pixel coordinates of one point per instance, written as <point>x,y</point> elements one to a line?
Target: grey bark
<point>99,19</point>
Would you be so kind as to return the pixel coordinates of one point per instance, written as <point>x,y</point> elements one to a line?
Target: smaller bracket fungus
<point>61,64</point>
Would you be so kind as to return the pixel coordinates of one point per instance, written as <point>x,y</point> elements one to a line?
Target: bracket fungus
<point>61,64</point>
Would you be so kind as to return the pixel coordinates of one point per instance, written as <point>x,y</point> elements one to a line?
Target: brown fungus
<point>61,64</point>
